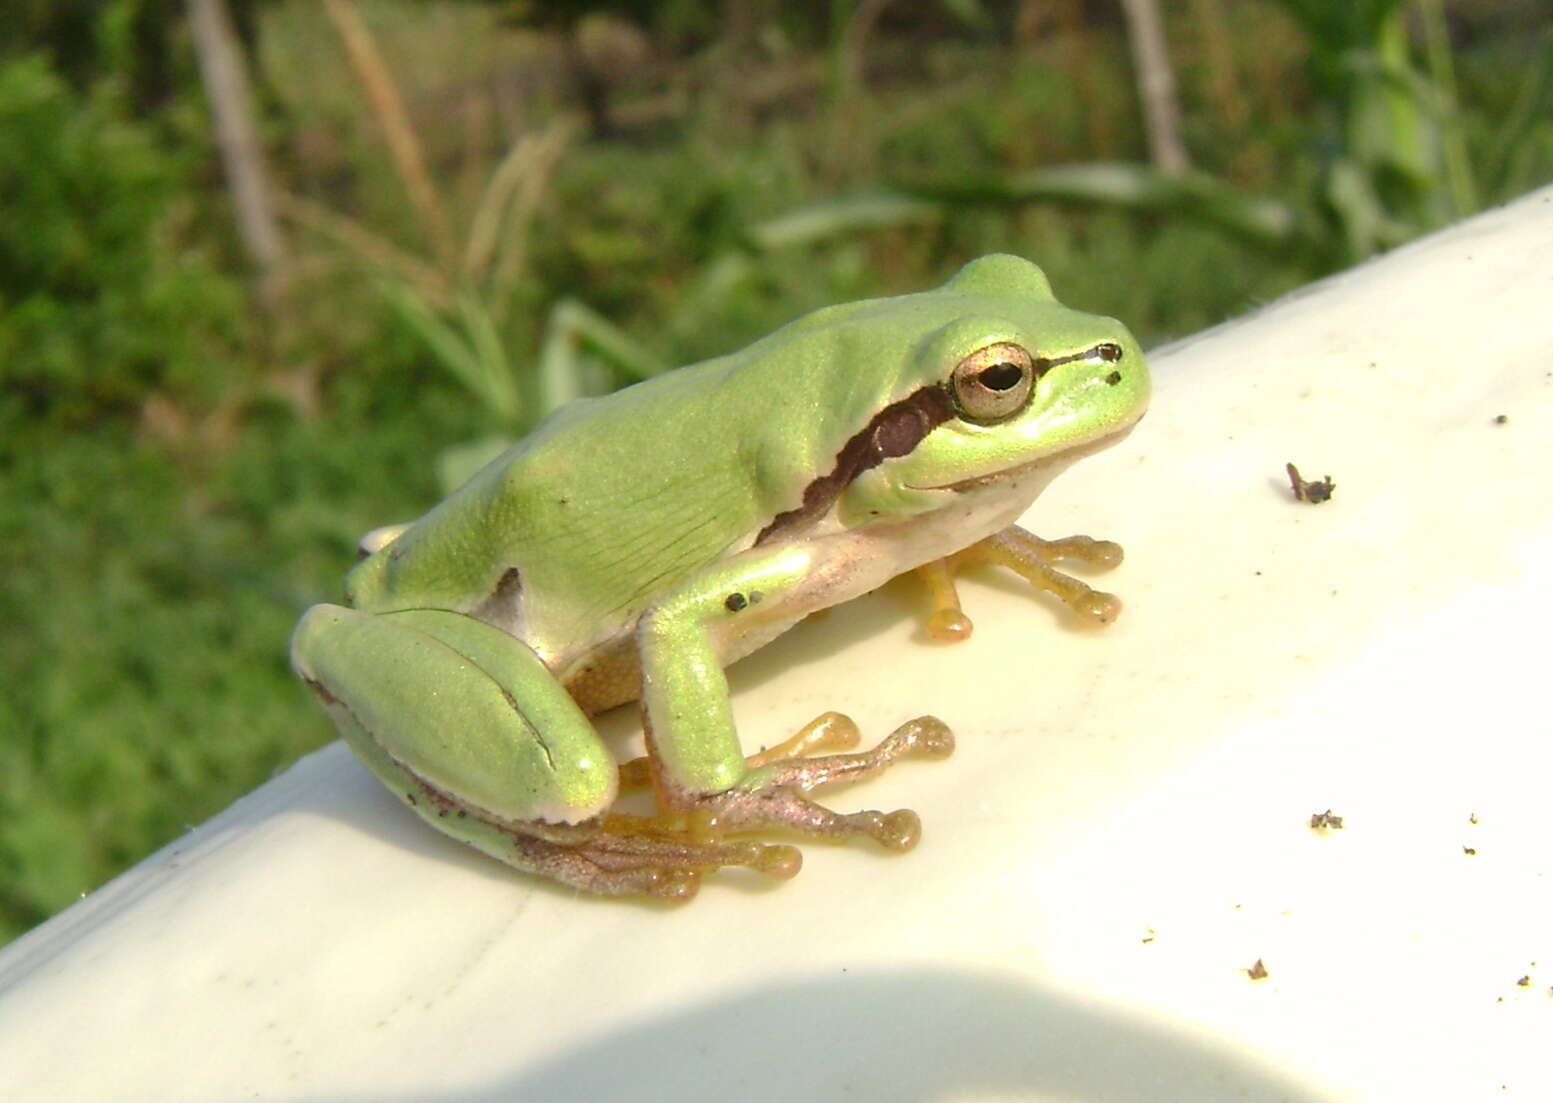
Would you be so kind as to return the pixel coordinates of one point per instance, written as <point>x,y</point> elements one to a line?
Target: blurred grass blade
<point>383,94</point>
<point>606,338</point>
<point>1531,108</point>
<point>559,379</point>
<point>853,214</point>
<point>513,188</point>
<point>425,280</point>
<point>470,351</point>
<point>719,279</point>
<point>1262,220</point>
<point>1458,163</point>
<point>490,356</point>
<point>485,226</point>
<point>572,332</point>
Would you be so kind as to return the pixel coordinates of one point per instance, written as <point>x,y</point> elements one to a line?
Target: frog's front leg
<point>468,727</point>
<point>695,758</point>
<point>1031,558</point>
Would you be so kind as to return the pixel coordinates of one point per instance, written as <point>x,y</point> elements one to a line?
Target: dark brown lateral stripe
<point>894,431</point>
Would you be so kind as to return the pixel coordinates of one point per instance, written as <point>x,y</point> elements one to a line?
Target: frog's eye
<point>993,383</point>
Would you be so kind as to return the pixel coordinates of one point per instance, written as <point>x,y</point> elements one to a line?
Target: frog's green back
<point>611,499</point>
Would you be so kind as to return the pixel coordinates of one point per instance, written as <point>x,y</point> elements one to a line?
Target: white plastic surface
<point>1121,834</point>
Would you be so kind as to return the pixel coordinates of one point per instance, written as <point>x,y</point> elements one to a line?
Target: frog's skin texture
<point>634,545</point>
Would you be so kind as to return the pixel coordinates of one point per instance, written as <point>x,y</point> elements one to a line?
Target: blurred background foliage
<point>483,209</point>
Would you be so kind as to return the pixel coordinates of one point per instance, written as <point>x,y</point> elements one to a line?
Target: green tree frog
<point>634,545</point>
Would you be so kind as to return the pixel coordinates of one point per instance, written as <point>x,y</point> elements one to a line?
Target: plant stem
<point>383,94</point>
<point>1156,86</point>
<point>242,156</point>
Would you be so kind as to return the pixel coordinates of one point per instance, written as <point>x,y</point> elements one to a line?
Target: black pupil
<point>1110,352</point>
<point>1000,377</point>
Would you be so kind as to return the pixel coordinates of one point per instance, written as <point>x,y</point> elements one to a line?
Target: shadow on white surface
<point>922,1034</point>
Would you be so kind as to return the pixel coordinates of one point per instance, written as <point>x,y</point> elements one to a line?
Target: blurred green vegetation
<point>182,473</point>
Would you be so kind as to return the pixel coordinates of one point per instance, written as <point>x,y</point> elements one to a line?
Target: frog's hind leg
<point>639,856</point>
<point>606,855</point>
<point>1030,557</point>
<point>466,726</point>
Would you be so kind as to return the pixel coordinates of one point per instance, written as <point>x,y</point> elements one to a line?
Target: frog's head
<point>1004,387</point>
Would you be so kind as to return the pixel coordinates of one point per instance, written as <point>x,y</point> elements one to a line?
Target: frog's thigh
<point>455,715</point>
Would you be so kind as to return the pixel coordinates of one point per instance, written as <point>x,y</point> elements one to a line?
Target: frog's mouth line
<point>1053,459</point>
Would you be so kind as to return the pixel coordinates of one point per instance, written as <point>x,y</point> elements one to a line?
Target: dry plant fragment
<point>1314,491</point>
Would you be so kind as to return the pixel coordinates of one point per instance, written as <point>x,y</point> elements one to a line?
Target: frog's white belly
<point>847,563</point>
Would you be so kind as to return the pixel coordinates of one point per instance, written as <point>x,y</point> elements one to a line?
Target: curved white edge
<point>1122,833</point>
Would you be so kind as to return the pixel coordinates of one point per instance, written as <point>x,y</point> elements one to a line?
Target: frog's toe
<point>673,884</point>
<point>1097,607</point>
<point>949,625</point>
<point>651,856</point>
<point>829,731</point>
<point>1099,554</point>
<point>924,737</point>
<point>787,809</point>
<point>679,879</point>
<point>780,862</point>
<point>898,830</point>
